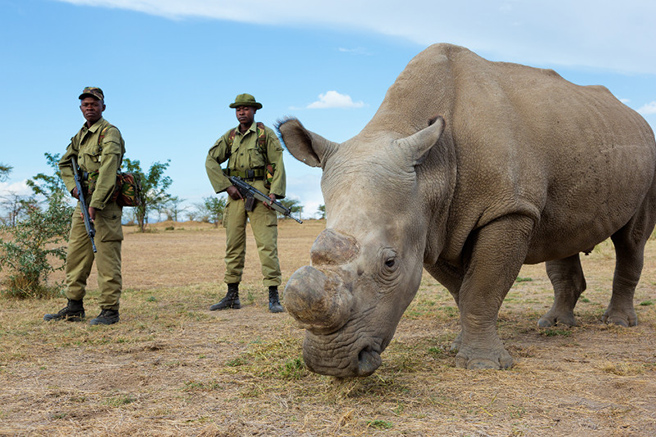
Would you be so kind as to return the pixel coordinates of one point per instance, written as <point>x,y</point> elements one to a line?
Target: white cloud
<point>648,109</point>
<point>617,37</point>
<point>8,190</point>
<point>333,99</point>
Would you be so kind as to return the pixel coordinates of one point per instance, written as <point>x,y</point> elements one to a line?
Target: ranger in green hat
<point>254,154</point>
<point>98,149</point>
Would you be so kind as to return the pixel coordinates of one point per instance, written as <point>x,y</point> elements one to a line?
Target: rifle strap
<point>261,138</point>
<point>101,137</point>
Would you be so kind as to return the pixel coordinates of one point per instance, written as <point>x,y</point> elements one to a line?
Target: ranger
<point>98,149</point>
<point>254,154</point>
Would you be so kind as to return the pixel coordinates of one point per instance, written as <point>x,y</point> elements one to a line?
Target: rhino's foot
<point>455,346</point>
<point>621,318</point>
<point>553,318</point>
<point>496,358</point>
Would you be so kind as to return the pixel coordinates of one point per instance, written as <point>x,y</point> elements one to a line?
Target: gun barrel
<point>247,190</point>
<point>88,224</point>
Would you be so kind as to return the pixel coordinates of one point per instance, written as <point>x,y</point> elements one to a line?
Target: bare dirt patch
<point>171,367</point>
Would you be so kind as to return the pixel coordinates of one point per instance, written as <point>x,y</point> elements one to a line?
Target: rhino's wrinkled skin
<point>520,166</point>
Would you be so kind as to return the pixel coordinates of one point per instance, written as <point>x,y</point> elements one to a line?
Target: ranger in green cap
<point>254,154</point>
<point>98,149</point>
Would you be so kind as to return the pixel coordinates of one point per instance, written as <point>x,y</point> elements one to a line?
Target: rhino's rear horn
<point>333,248</point>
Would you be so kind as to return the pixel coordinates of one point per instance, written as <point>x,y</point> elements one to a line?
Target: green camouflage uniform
<point>245,154</point>
<point>101,161</point>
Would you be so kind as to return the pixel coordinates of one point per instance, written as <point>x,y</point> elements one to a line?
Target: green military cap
<point>92,91</point>
<point>245,100</point>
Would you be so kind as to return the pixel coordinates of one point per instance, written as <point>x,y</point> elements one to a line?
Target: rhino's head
<point>367,263</point>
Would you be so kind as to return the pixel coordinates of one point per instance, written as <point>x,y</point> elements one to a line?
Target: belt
<point>247,175</point>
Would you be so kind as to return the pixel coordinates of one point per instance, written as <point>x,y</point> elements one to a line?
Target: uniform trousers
<point>80,256</point>
<point>264,224</point>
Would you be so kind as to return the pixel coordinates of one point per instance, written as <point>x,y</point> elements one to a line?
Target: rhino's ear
<point>306,146</point>
<point>417,145</point>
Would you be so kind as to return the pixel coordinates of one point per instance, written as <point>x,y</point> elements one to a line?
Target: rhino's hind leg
<point>629,260</point>
<point>566,276</point>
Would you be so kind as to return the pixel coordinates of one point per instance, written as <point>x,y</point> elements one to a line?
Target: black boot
<point>274,303</point>
<point>106,317</point>
<point>230,301</point>
<point>73,312</point>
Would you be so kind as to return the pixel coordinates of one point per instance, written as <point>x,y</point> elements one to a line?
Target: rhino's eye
<point>389,260</point>
<point>389,264</point>
<point>388,270</point>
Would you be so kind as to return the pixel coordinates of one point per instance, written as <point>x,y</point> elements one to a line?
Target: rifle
<point>249,192</point>
<point>91,230</point>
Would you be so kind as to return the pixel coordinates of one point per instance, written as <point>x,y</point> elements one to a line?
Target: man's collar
<point>94,127</point>
<point>251,128</point>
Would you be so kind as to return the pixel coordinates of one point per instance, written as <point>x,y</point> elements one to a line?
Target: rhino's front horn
<point>318,301</point>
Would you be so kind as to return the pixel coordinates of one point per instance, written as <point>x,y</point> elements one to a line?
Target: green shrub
<point>37,238</point>
<point>33,243</point>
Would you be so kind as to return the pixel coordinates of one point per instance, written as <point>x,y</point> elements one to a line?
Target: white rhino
<point>518,166</point>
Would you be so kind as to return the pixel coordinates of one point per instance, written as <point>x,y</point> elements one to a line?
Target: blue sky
<point>170,68</point>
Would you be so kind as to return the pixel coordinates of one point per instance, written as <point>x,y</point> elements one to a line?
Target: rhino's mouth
<point>368,361</point>
<point>354,358</point>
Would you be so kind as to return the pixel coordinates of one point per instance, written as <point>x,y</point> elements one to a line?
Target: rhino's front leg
<point>498,252</point>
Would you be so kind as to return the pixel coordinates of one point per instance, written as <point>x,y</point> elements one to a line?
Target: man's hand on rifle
<point>273,199</point>
<point>92,214</point>
<point>92,210</point>
<point>234,193</point>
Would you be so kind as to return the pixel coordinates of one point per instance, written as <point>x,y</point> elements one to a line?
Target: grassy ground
<point>171,367</point>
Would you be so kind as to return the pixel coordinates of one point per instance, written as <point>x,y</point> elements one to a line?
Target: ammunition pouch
<point>127,189</point>
<point>89,180</point>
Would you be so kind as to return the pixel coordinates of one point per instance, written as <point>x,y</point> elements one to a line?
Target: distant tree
<point>36,238</point>
<point>172,208</point>
<point>8,201</point>
<point>192,215</point>
<point>47,185</point>
<point>4,171</point>
<point>210,210</point>
<point>322,211</point>
<point>215,206</point>
<point>129,217</point>
<point>153,185</point>
<point>14,204</point>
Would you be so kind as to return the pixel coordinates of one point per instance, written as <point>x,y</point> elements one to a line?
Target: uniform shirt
<point>105,159</point>
<point>245,155</point>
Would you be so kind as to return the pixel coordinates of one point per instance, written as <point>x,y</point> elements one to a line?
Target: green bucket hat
<point>92,91</point>
<point>245,100</point>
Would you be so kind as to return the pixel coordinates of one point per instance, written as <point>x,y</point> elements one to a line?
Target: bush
<point>34,241</point>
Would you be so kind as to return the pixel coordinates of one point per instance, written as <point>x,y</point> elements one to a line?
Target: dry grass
<point>171,367</point>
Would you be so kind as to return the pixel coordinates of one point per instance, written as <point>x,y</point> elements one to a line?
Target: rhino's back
<point>530,142</point>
